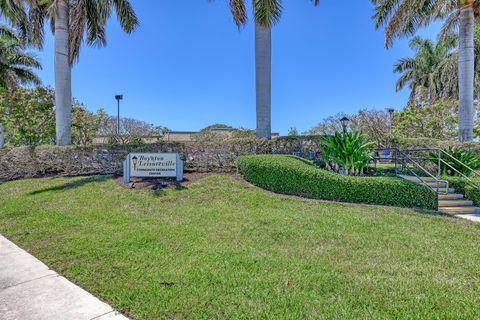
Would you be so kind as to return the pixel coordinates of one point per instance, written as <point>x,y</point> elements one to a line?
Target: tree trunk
<point>466,69</point>
<point>63,78</point>
<point>263,71</point>
<point>2,136</point>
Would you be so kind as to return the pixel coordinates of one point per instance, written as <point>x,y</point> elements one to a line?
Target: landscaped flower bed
<point>293,175</point>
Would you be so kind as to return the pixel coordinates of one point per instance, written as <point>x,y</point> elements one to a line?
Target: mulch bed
<point>162,183</point>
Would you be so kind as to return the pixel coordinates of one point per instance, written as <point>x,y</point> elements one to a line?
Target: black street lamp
<point>344,121</point>
<point>391,112</point>
<point>118,97</point>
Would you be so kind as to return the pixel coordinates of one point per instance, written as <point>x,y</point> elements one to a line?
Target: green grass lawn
<point>221,249</point>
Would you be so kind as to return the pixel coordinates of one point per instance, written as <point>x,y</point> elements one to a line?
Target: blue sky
<point>188,66</point>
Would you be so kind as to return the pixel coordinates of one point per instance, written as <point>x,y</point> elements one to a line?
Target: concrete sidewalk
<point>30,290</point>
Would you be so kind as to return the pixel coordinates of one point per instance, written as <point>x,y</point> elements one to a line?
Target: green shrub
<point>462,186</point>
<point>293,175</point>
<point>348,152</point>
<point>468,157</point>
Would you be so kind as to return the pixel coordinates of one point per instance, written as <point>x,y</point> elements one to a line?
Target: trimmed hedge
<point>462,186</point>
<point>296,176</point>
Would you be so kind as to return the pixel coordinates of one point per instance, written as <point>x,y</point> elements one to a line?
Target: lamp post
<point>391,112</point>
<point>118,97</point>
<point>344,121</point>
<point>135,161</point>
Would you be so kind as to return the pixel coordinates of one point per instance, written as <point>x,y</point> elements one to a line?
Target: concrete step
<point>450,196</point>
<point>435,184</point>
<point>458,210</point>
<point>430,182</point>
<point>415,179</point>
<point>444,190</point>
<point>454,203</point>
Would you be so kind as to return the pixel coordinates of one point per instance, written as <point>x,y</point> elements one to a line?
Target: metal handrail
<point>438,181</point>
<point>440,160</point>
<point>462,174</point>
<point>460,162</point>
<point>447,154</point>
<point>419,166</point>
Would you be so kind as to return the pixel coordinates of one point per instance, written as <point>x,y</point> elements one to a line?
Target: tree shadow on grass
<point>72,185</point>
<point>430,213</point>
<point>308,162</point>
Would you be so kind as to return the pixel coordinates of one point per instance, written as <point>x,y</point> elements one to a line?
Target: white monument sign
<point>153,165</point>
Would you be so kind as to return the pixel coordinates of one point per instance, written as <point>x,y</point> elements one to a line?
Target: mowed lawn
<point>220,249</point>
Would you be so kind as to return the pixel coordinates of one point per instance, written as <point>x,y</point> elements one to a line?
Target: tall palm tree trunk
<point>466,69</point>
<point>263,73</point>
<point>63,78</point>
<point>2,136</point>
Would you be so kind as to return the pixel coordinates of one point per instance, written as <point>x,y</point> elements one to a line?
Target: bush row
<point>292,175</point>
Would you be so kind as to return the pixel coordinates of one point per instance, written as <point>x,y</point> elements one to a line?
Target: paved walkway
<point>472,217</point>
<point>29,290</point>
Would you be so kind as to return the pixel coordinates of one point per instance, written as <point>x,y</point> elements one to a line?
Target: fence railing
<point>449,161</point>
<point>404,162</point>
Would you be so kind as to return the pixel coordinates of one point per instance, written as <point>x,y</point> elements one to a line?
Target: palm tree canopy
<point>12,9</point>
<point>425,71</point>
<point>16,65</point>
<point>403,18</point>
<point>266,12</point>
<point>88,19</point>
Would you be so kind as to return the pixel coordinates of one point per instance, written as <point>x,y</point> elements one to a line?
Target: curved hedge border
<point>296,176</point>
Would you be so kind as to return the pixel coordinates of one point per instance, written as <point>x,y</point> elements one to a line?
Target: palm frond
<point>16,65</point>
<point>267,12</point>
<point>402,18</point>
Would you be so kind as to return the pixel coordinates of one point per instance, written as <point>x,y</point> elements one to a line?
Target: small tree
<point>217,126</point>
<point>330,125</point>
<point>131,130</point>
<point>293,132</point>
<point>85,124</point>
<point>436,121</point>
<point>28,115</point>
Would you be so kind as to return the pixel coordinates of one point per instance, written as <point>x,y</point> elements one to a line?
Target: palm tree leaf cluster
<point>16,65</point>
<point>266,12</point>
<point>403,18</point>
<point>87,21</point>
<point>430,73</point>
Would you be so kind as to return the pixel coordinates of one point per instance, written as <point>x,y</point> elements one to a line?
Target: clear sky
<point>189,66</point>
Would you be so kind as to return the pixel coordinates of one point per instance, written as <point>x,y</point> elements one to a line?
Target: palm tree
<point>71,21</point>
<point>266,14</point>
<point>405,17</point>
<point>16,65</point>
<point>424,72</point>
